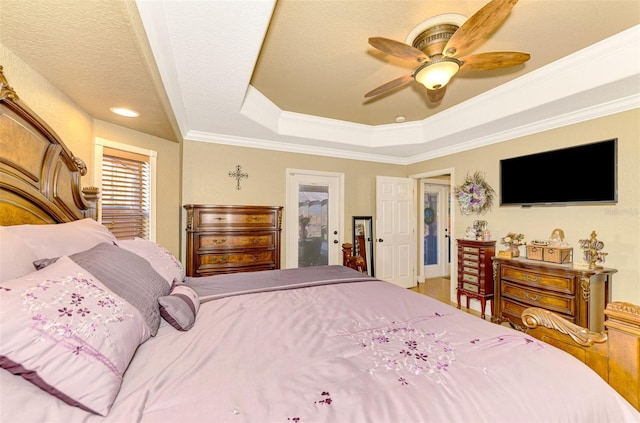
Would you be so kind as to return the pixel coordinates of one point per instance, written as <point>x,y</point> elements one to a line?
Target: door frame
<point>291,216</point>
<point>453,271</point>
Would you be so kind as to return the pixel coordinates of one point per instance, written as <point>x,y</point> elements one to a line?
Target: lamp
<point>436,73</point>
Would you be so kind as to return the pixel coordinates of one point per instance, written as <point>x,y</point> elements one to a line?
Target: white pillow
<point>65,332</point>
<point>16,257</point>
<point>62,239</point>
<point>161,259</point>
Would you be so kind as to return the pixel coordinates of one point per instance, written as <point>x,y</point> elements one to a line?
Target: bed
<point>111,330</point>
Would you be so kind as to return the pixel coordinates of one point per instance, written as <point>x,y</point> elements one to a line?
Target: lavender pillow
<point>127,275</point>
<point>180,307</point>
<point>62,239</point>
<point>66,332</point>
<point>161,259</point>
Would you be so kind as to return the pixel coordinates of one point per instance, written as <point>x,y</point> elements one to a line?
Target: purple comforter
<point>366,351</point>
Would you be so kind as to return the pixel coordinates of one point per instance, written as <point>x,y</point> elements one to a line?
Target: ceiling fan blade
<point>390,85</point>
<point>398,49</point>
<point>473,31</point>
<point>495,60</point>
<point>436,95</point>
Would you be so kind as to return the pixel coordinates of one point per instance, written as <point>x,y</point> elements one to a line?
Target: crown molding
<point>584,78</point>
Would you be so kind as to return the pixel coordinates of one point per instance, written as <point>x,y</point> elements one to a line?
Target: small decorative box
<point>557,255</point>
<point>550,254</point>
<point>534,252</point>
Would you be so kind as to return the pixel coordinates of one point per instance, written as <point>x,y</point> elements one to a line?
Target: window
<point>126,194</point>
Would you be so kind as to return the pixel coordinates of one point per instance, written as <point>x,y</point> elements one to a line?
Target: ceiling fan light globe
<point>435,75</point>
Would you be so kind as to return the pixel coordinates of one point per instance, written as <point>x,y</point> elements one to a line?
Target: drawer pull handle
<point>219,241</point>
<point>532,278</point>
<point>532,297</point>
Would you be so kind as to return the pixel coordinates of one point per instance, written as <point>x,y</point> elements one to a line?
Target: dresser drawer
<point>533,298</point>
<point>469,278</point>
<point>469,257</point>
<point>234,218</point>
<point>470,287</point>
<point>547,281</point>
<point>212,242</point>
<point>471,250</point>
<point>234,262</point>
<point>512,310</point>
<point>471,270</point>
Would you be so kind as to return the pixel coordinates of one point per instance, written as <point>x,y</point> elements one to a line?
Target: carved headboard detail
<point>39,176</point>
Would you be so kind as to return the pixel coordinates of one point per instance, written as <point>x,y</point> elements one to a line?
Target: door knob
<point>335,241</point>
<point>380,240</point>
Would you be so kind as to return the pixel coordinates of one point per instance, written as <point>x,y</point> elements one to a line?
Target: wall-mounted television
<point>584,174</point>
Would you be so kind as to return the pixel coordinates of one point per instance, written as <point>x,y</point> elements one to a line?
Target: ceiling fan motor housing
<point>432,41</point>
<point>432,35</point>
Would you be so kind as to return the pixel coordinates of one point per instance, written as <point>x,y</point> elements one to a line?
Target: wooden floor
<point>439,288</point>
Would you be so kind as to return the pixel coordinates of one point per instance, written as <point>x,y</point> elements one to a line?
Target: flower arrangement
<point>513,239</point>
<point>475,195</point>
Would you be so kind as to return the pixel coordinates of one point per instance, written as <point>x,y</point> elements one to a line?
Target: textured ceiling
<point>292,75</point>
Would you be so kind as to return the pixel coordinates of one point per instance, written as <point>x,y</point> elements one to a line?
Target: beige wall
<point>206,178</point>
<point>78,130</point>
<point>618,226</point>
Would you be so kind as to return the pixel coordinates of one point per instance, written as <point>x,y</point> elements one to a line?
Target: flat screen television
<point>584,174</point>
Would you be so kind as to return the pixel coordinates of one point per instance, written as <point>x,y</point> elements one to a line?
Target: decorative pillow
<point>62,239</point>
<point>126,274</point>
<point>65,332</point>
<point>180,307</point>
<point>16,256</point>
<point>161,259</point>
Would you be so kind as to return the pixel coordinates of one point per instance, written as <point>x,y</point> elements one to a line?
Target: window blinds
<point>125,193</point>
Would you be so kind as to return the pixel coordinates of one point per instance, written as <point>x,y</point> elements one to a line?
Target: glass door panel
<point>313,216</point>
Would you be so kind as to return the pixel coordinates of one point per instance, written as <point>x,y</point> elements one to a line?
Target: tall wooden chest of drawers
<point>579,295</point>
<point>475,275</point>
<point>228,239</point>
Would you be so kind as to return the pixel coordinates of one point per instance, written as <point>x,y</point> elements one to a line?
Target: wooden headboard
<point>39,176</point>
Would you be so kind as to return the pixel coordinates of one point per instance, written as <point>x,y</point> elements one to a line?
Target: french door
<point>436,239</point>
<point>314,218</point>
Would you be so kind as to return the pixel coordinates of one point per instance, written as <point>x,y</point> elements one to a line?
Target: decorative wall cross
<point>238,175</point>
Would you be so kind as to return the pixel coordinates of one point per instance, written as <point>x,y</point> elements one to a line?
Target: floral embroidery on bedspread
<point>405,349</point>
<point>76,311</point>
<point>411,351</point>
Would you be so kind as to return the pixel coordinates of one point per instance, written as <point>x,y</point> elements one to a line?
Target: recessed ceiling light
<point>124,112</point>
<point>400,118</point>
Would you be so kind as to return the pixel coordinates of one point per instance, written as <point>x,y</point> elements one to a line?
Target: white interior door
<point>435,230</point>
<point>314,218</point>
<point>395,230</point>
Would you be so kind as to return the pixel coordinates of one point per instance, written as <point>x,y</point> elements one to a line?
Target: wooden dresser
<point>578,294</point>
<point>475,275</point>
<point>227,239</point>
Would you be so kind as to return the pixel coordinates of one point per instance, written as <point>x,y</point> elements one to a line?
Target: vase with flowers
<point>513,240</point>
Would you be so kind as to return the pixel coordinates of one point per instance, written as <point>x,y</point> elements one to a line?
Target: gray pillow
<point>126,274</point>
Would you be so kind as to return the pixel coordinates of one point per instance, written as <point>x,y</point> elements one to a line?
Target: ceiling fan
<point>440,46</point>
